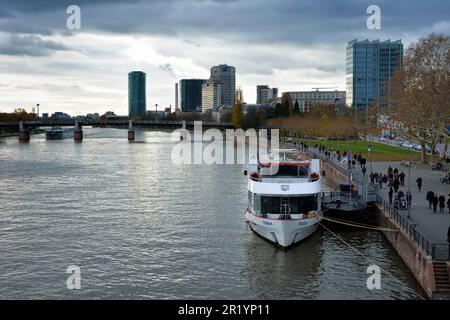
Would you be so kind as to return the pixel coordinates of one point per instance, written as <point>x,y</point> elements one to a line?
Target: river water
<point>140,227</point>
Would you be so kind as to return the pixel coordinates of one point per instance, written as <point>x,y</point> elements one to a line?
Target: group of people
<point>434,201</point>
<point>393,179</point>
<point>357,159</point>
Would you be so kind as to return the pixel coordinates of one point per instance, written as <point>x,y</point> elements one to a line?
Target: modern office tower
<point>274,94</point>
<point>191,94</point>
<point>136,94</point>
<point>370,66</point>
<point>176,97</point>
<point>265,95</point>
<point>308,99</point>
<point>227,76</point>
<point>211,95</point>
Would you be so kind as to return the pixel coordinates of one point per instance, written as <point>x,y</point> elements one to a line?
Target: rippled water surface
<point>140,227</point>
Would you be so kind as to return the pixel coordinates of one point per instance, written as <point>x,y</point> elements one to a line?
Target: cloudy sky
<point>289,44</point>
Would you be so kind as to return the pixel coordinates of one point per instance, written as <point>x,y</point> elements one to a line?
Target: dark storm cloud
<point>29,45</point>
<point>297,21</point>
<point>167,67</point>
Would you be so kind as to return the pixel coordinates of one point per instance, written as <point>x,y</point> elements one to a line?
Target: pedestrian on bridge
<point>390,193</point>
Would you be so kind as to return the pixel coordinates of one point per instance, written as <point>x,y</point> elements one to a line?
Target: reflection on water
<point>141,227</point>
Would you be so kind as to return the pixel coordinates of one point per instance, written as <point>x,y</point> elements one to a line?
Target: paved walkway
<point>432,225</point>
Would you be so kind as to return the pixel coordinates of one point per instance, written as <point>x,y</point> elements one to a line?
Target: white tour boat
<point>284,199</point>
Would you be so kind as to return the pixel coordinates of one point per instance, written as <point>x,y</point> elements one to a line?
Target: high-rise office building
<point>191,94</point>
<point>176,97</point>
<point>370,66</point>
<point>212,95</point>
<point>136,94</point>
<point>265,95</point>
<point>226,75</point>
<point>262,94</point>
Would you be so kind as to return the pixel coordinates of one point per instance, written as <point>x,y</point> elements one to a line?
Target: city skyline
<point>84,71</point>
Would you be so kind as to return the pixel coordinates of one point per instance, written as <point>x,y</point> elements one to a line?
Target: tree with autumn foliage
<point>420,92</point>
<point>237,111</point>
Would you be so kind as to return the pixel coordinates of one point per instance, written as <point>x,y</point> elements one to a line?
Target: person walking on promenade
<point>390,193</point>
<point>419,183</point>
<point>363,162</point>
<point>389,170</point>
<point>409,199</point>
<point>396,184</point>
<point>384,180</point>
<point>448,203</point>
<point>402,178</point>
<point>430,195</point>
<point>448,235</point>
<point>435,203</point>
<point>441,203</point>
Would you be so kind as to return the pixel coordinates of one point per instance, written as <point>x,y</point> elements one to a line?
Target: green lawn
<point>380,151</point>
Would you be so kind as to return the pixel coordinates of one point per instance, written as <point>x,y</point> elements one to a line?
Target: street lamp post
<point>156,115</point>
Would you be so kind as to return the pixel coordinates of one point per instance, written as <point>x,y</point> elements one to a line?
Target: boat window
<point>297,205</point>
<point>257,203</point>
<point>270,204</point>
<point>292,171</point>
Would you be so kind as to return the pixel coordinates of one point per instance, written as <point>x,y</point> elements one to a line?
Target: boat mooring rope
<point>371,262</point>
<point>355,224</point>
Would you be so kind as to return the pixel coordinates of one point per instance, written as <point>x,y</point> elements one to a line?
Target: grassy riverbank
<point>380,151</point>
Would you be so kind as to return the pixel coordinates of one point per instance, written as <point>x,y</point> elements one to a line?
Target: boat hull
<point>284,233</point>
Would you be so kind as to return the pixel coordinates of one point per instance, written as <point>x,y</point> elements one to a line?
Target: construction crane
<point>317,90</point>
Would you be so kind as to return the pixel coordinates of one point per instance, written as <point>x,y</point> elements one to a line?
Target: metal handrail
<point>410,228</point>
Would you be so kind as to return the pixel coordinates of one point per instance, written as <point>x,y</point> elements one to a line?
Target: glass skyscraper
<point>136,94</point>
<point>370,65</point>
<point>191,94</point>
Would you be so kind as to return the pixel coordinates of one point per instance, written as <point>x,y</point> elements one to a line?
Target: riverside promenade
<point>433,225</point>
<point>421,239</point>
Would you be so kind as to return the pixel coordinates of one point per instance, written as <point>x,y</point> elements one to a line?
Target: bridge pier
<point>24,133</point>
<point>78,133</point>
<point>131,134</point>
